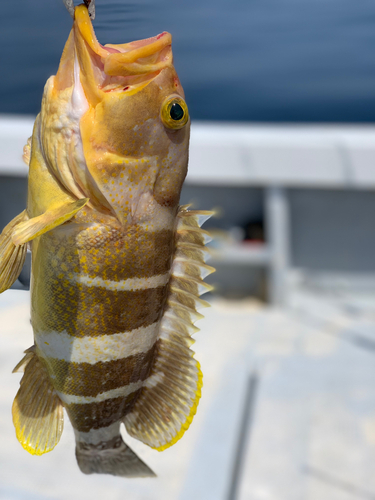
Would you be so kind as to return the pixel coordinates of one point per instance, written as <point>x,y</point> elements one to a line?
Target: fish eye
<point>174,112</point>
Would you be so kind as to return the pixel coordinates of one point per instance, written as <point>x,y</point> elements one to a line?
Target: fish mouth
<point>89,75</point>
<point>124,67</point>
<point>134,58</point>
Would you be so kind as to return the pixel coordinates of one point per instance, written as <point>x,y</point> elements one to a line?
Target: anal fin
<point>170,396</point>
<point>37,410</point>
<point>12,257</point>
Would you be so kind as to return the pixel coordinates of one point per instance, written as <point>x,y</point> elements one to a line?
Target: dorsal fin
<point>169,399</point>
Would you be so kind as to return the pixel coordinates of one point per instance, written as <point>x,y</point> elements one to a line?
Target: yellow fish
<point>117,264</point>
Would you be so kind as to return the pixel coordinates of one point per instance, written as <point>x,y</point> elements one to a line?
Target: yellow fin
<point>187,299</point>
<point>191,268</point>
<point>193,218</point>
<point>20,367</point>
<point>169,399</point>
<point>37,410</point>
<point>195,252</point>
<point>193,235</point>
<point>184,312</point>
<point>12,257</point>
<point>195,286</point>
<point>27,151</point>
<point>37,226</point>
<point>171,321</point>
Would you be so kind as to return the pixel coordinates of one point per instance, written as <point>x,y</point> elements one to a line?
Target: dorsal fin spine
<point>169,400</point>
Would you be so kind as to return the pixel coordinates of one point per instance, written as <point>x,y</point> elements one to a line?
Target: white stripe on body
<point>61,345</point>
<point>113,393</point>
<point>128,284</point>
<point>95,436</point>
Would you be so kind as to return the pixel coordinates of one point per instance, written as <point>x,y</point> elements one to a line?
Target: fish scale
<point>119,312</point>
<point>117,264</point>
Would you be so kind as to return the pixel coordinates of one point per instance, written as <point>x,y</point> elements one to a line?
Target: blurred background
<point>282,99</point>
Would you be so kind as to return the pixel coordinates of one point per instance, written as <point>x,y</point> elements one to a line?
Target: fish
<point>118,265</point>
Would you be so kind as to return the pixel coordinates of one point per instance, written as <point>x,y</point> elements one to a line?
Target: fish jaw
<point>112,67</point>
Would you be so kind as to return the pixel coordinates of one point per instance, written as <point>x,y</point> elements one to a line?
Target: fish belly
<point>98,296</point>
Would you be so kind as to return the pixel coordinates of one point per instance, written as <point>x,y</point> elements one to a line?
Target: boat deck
<point>287,412</point>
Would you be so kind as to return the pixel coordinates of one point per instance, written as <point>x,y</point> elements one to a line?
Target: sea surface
<point>247,60</point>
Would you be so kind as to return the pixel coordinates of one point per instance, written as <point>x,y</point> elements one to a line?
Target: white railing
<point>274,157</point>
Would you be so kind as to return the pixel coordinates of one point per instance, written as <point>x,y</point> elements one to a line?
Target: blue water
<point>258,60</point>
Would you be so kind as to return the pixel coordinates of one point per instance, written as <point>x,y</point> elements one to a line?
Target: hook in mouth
<point>90,4</point>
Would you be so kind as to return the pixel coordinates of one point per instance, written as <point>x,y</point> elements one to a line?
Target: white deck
<point>310,424</point>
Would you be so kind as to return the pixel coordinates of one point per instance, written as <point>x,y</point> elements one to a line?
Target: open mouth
<point>122,67</point>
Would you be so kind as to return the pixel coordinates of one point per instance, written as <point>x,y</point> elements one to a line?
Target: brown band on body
<point>91,311</point>
<point>85,379</point>
<point>97,415</point>
<point>115,256</point>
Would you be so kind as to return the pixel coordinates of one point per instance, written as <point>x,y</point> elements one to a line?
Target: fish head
<point>132,122</point>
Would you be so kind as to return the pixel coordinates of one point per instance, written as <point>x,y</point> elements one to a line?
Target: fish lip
<point>124,48</point>
<point>140,57</point>
<point>147,56</point>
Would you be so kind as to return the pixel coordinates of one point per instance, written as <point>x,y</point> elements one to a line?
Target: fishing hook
<point>90,4</point>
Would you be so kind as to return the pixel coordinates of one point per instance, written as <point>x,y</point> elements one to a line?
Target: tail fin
<point>113,457</point>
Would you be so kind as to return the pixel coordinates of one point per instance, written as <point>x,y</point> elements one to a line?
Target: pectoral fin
<point>37,410</point>
<point>12,258</point>
<point>32,228</point>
